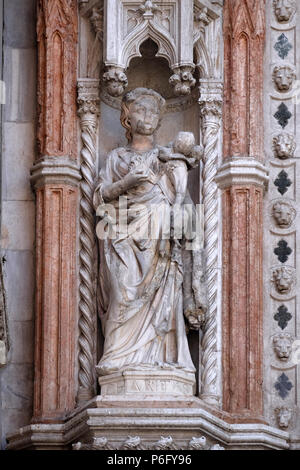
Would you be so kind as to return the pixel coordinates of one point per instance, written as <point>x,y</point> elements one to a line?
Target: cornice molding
<point>242,171</point>
<point>55,170</point>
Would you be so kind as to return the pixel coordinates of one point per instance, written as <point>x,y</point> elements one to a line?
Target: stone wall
<point>18,210</point>
<point>281,254</point>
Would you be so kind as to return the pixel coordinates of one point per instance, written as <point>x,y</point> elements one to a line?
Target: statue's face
<point>284,9</point>
<point>144,115</point>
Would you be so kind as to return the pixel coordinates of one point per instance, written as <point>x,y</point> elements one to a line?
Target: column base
<point>153,382</point>
<point>146,423</point>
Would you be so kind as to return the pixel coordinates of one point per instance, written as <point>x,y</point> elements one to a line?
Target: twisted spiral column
<point>88,101</point>
<point>210,111</point>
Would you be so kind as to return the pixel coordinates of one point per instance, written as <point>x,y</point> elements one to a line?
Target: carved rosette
<point>88,111</point>
<point>211,111</point>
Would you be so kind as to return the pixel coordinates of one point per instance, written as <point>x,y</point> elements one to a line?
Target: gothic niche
<point>282,343</point>
<point>283,77</point>
<point>283,278</point>
<point>283,213</point>
<point>284,10</point>
<point>150,71</point>
<point>284,416</point>
<point>284,145</point>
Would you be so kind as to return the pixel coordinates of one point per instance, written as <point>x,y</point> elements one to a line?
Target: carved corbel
<point>115,80</point>
<point>182,80</point>
<point>88,111</point>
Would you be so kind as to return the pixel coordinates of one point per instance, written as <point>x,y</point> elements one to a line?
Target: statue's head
<point>284,10</point>
<point>141,112</point>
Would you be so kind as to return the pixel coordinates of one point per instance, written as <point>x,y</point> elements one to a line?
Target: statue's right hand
<point>136,176</point>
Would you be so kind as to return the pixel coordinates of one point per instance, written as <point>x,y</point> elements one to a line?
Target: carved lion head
<point>284,145</point>
<point>283,213</point>
<point>283,77</point>
<point>284,415</point>
<point>283,278</point>
<point>284,10</point>
<point>282,343</point>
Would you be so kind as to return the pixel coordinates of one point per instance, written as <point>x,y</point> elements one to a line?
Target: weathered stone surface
<point>18,157</point>
<point>19,284</point>
<point>55,390</point>
<point>281,218</point>
<point>153,382</point>
<point>19,23</point>
<point>17,211</point>
<point>17,386</point>
<point>20,81</point>
<point>57,49</point>
<point>151,427</point>
<point>16,215</point>
<point>244,30</point>
<point>22,341</point>
<point>3,353</point>
<point>56,210</point>
<point>13,418</point>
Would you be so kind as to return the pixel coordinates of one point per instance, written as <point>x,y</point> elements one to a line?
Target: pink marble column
<point>242,178</point>
<point>55,177</point>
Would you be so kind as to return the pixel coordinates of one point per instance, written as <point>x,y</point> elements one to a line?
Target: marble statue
<point>150,288</point>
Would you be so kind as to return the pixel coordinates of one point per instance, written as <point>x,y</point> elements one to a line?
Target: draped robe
<point>140,293</point>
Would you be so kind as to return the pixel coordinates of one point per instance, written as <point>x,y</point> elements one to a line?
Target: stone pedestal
<point>148,423</point>
<point>149,382</point>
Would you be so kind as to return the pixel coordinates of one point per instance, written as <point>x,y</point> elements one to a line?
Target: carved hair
<point>132,96</point>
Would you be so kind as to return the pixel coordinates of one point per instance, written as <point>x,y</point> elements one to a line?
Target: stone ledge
<point>116,424</point>
<point>241,171</point>
<point>55,170</point>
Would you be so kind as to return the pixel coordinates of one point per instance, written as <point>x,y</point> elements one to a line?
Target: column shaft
<point>55,177</point>
<point>242,179</point>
